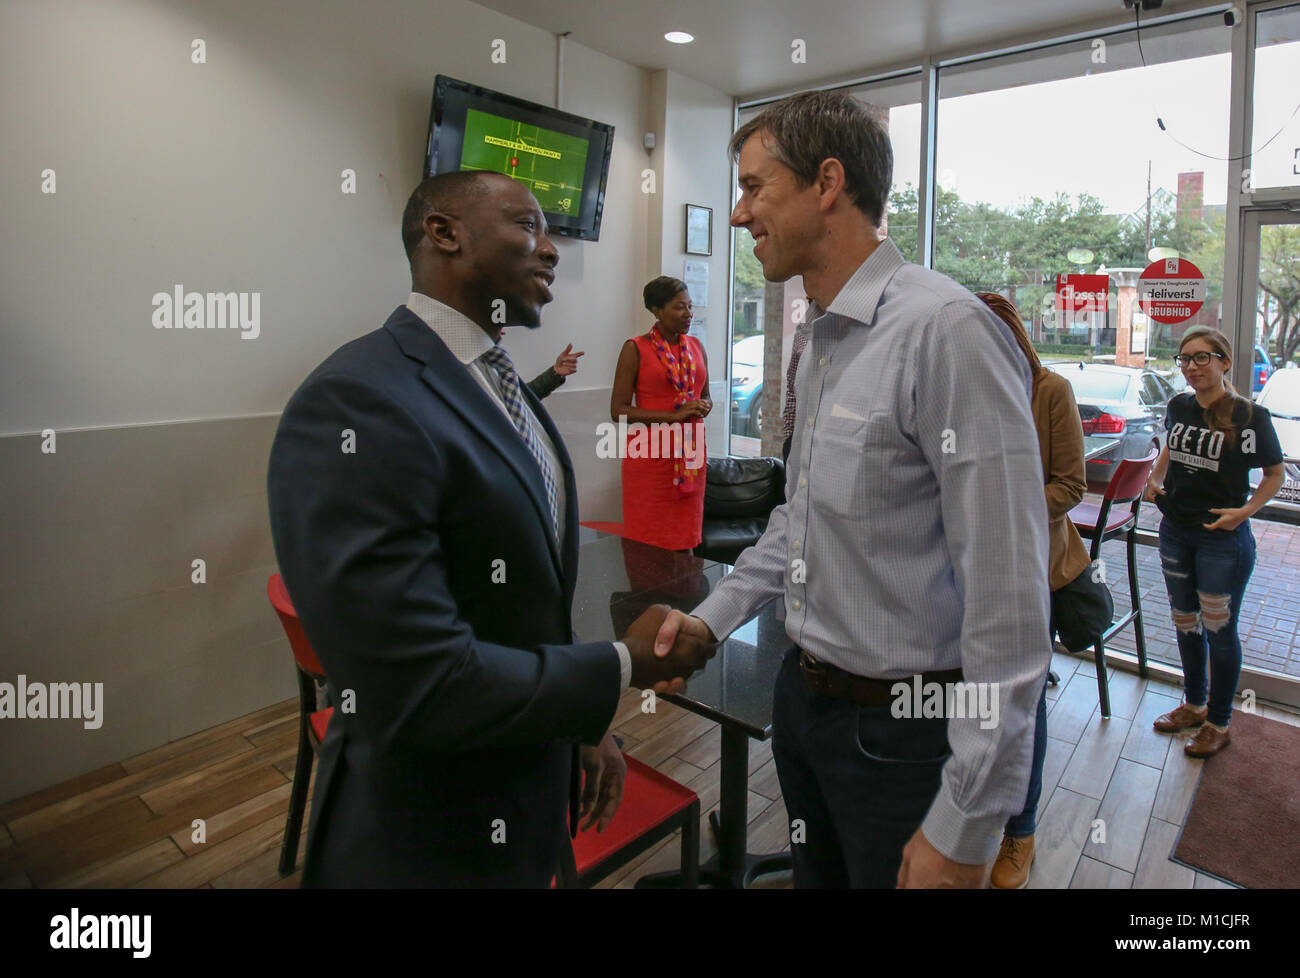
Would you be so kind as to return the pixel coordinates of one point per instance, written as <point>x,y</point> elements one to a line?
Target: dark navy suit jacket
<point>426,576</point>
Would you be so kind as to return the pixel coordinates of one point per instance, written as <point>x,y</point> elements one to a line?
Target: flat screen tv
<point>562,158</point>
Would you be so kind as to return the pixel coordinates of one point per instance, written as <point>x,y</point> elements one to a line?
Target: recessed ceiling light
<point>679,37</point>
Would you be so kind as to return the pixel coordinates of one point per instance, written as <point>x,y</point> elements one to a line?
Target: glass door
<point>1267,369</point>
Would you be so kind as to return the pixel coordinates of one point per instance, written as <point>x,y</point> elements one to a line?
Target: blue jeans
<point>859,780</point>
<point>1025,823</point>
<point>1206,572</point>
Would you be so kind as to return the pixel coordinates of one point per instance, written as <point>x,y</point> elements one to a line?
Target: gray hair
<point>805,129</point>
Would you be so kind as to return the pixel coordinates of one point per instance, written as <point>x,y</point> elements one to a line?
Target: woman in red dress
<point>662,379</point>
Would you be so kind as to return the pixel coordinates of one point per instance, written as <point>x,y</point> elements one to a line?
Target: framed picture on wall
<point>699,230</point>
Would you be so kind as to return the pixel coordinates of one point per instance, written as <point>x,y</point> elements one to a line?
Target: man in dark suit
<point>424,514</point>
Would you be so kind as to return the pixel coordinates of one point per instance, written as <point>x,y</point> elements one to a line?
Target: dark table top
<point>618,579</point>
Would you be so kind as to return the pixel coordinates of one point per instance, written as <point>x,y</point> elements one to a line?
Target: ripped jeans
<point>1206,572</point>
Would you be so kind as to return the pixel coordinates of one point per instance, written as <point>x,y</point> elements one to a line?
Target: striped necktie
<point>527,426</point>
<point>801,334</point>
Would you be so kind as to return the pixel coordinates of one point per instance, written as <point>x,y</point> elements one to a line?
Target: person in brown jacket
<point>1060,443</point>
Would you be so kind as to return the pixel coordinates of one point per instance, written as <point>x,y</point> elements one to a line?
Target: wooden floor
<point>131,823</point>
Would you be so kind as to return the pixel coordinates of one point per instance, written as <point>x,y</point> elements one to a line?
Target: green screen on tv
<point>550,164</point>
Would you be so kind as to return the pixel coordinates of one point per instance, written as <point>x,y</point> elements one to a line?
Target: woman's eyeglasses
<point>1200,359</point>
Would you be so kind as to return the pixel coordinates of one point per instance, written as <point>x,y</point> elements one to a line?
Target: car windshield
<point>1095,386</point>
<point>1282,396</point>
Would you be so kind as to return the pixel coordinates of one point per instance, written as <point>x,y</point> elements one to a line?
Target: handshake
<point>666,647</point>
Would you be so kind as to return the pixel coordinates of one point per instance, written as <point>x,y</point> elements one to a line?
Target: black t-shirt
<point>1207,470</point>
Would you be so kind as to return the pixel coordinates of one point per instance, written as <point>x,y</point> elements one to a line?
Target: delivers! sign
<point>1171,290</point>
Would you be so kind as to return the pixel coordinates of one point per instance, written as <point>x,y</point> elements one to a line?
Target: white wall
<point>696,170</point>
<point>225,176</point>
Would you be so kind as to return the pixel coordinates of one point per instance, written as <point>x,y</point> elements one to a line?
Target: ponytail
<point>1230,405</point>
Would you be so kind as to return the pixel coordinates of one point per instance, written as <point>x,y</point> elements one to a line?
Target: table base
<point>733,867</point>
<point>712,874</point>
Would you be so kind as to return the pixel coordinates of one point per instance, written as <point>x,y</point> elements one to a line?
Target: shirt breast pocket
<point>850,456</point>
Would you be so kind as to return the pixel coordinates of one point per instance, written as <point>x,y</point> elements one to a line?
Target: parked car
<point>747,387</point>
<point>1175,379</point>
<point>1125,403</point>
<point>1261,371</point>
<point>1281,395</point>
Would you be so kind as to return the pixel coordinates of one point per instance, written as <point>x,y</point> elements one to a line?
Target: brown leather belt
<point>832,681</point>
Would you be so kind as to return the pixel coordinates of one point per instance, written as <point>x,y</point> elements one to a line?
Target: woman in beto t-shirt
<point>1208,552</point>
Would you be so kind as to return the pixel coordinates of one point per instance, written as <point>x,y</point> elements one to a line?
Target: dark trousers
<point>856,781</point>
<point>1027,821</point>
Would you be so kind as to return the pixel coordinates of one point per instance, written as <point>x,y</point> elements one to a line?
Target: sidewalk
<point>1269,629</point>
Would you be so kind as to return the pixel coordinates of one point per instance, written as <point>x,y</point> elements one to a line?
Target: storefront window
<point>763,312</point>
<point>1064,172</point>
<point>1275,127</point>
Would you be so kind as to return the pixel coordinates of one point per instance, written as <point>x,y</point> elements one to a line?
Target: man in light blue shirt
<point>912,551</point>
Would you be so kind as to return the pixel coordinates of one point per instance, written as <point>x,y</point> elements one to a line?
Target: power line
<point>1137,30</point>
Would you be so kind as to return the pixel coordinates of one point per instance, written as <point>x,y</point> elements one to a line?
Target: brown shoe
<point>1209,740</point>
<point>1181,718</point>
<point>1011,870</point>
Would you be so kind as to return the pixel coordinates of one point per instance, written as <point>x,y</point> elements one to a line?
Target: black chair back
<point>739,495</point>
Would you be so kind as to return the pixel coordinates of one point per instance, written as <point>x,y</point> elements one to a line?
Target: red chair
<point>312,723</point>
<point>1103,521</point>
<point>654,806</point>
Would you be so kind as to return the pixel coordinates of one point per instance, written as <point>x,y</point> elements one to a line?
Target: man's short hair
<point>444,192</point>
<point>805,129</point>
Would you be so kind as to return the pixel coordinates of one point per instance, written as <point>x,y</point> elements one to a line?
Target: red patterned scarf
<point>681,374</point>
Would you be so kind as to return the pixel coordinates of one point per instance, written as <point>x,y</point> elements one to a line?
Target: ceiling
<point>743,47</point>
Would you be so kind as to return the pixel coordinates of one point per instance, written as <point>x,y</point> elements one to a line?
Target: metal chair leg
<point>1103,682</point>
<point>1139,630</point>
<point>297,801</point>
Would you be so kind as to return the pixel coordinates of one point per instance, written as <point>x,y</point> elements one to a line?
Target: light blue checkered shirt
<point>915,502</point>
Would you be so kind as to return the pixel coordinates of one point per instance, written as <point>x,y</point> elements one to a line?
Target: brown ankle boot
<point>1180,718</point>
<point>1209,740</point>
<point>1011,871</point>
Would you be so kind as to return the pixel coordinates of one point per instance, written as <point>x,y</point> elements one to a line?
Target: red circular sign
<point>1171,290</point>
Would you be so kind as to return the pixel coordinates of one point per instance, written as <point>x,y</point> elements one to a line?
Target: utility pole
<point>1148,206</point>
